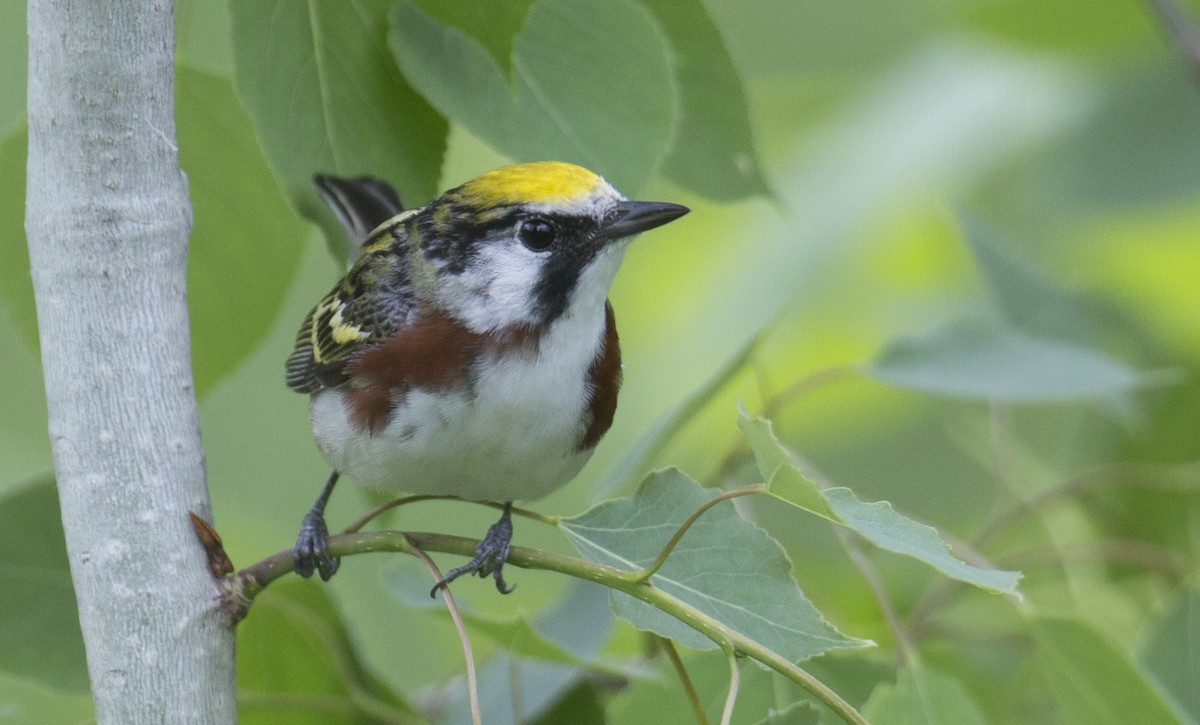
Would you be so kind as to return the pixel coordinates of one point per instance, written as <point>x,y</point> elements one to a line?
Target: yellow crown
<point>540,182</point>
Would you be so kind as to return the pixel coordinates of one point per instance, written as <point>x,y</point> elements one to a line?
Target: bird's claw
<point>490,556</point>
<point>310,552</point>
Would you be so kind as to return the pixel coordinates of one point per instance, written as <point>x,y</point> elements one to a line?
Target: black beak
<point>634,217</point>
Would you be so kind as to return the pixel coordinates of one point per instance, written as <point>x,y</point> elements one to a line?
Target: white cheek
<point>517,270</point>
<point>497,289</point>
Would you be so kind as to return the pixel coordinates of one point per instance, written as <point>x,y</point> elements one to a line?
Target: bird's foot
<point>489,557</point>
<point>310,551</point>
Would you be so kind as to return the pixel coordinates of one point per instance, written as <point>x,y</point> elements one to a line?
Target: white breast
<point>513,435</point>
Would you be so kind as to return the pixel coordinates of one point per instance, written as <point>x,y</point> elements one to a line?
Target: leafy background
<point>949,247</point>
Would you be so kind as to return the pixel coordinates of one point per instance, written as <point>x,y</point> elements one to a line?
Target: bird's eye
<point>536,233</point>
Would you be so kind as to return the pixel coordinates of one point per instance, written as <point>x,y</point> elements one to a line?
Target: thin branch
<point>1117,475</point>
<point>366,518</point>
<point>249,582</point>
<point>1122,551</point>
<point>1111,551</point>
<point>904,644</point>
<point>735,680</point>
<point>688,688</point>
<point>1109,476</point>
<point>1180,30</point>
<point>967,551</point>
<point>1000,447</point>
<point>774,404</point>
<point>806,385</point>
<point>649,571</point>
<point>468,656</point>
<point>379,510</point>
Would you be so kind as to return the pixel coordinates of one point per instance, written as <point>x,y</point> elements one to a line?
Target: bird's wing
<point>373,301</point>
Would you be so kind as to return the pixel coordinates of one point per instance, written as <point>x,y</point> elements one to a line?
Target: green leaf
<point>325,96</point>
<point>494,25</point>
<point>1023,295</point>
<point>523,688</point>
<point>1092,680</point>
<point>297,664</point>
<point>922,696</point>
<point>514,690</point>
<point>518,636</point>
<point>202,38</point>
<point>661,699</point>
<point>580,621</point>
<point>582,705</point>
<point>1171,655</point>
<point>28,702</point>
<point>978,359</point>
<point>245,246</point>
<point>713,149</point>
<point>486,46</point>
<point>784,480</point>
<point>515,633</point>
<point>1139,146</point>
<point>798,713</point>
<point>39,623</point>
<point>590,84</point>
<point>880,524</point>
<point>876,522</point>
<point>246,243</point>
<point>724,566</point>
<point>570,634</point>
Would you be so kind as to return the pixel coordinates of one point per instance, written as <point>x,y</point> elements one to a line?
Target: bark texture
<point>107,218</point>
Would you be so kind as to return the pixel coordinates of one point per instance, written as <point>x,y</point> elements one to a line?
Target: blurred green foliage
<point>950,247</point>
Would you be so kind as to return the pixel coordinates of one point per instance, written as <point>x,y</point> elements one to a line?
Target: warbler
<point>471,349</point>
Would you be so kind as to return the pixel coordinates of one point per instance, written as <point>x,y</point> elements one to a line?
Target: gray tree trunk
<point>107,220</point>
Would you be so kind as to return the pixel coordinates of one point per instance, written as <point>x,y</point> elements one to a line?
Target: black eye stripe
<point>451,232</point>
<point>575,249</point>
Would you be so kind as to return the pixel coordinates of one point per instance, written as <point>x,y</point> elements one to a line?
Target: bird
<point>471,349</point>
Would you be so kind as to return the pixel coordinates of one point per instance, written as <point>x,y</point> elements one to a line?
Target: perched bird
<point>470,350</point>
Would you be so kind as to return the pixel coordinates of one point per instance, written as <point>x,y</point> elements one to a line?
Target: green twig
<point>366,518</point>
<point>464,640</point>
<point>774,404</point>
<point>735,680</point>
<point>655,565</point>
<point>806,385</point>
<point>1130,552</point>
<point>689,689</point>
<point>858,557</point>
<point>1184,476</point>
<point>249,582</point>
<point>1114,475</point>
